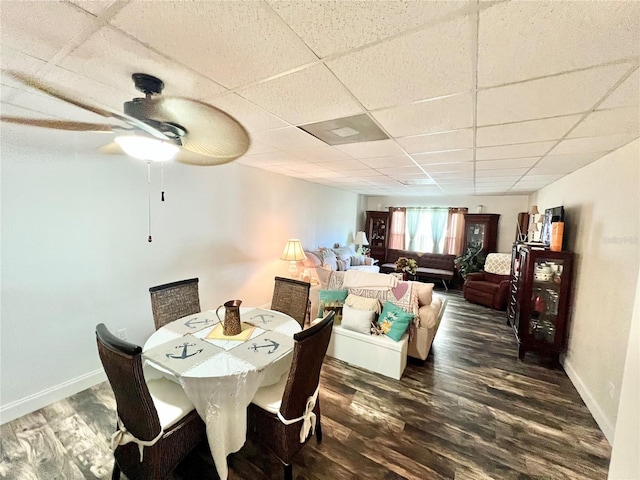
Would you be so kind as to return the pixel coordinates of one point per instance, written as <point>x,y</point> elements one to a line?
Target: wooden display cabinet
<point>539,299</point>
<point>481,229</point>
<point>377,230</point>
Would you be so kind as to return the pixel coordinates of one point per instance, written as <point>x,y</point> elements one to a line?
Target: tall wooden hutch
<point>377,227</point>
<point>481,229</point>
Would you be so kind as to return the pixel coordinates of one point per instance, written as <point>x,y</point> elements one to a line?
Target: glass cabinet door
<point>545,293</point>
<point>475,235</point>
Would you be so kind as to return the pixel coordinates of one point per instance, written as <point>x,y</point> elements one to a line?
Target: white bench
<point>377,353</point>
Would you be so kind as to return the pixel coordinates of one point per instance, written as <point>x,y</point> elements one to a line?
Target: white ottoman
<point>377,353</point>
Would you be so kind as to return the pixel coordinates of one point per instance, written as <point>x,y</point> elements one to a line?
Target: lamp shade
<point>361,239</point>
<point>147,148</point>
<point>293,251</point>
<point>534,210</point>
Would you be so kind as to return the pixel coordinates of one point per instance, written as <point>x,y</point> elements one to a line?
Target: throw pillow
<point>343,263</point>
<point>323,276</point>
<point>425,292</point>
<point>331,300</point>
<point>329,259</point>
<point>358,260</point>
<point>394,321</point>
<point>345,252</point>
<point>312,260</point>
<point>357,320</point>
<point>363,303</point>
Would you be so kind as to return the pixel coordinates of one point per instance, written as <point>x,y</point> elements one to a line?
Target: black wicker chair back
<point>308,355</point>
<point>122,362</point>
<point>291,296</point>
<point>174,300</point>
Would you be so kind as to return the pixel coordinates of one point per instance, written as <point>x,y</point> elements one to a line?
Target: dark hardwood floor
<point>471,411</point>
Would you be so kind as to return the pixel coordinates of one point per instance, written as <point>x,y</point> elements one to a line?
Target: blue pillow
<point>394,321</point>
<point>331,300</point>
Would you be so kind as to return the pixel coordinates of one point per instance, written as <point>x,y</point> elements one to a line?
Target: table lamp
<point>361,239</point>
<point>293,253</point>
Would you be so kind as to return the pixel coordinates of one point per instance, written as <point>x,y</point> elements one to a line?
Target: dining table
<point>219,373</point>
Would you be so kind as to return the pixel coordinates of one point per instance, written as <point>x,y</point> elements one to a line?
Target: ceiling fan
<point>155,127</point>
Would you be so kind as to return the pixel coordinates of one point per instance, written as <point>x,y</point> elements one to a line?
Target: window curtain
<point>454,238</point>
<point>413,220</point>
<point>397,233</point>
<point>439,218</point>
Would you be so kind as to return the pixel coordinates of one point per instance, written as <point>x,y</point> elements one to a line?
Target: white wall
<point>507,206</point>
<point>625,456</point>
<point>75,252</point>
<point>602,227</point>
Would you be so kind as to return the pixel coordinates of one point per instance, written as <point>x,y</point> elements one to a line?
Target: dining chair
<point>283,416</point>
<point>157,425</point>
<point>174,300</point>
<point>291,296</point>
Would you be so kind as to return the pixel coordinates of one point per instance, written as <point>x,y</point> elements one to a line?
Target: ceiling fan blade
<point>59,124</point>
<point>49,90</point>
<point>213,137</point>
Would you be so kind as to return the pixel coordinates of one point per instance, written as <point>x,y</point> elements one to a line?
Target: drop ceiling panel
<point>379,148</point>
<point>309,95</point>
<point>440,115</point>
<point>547,97</point>
<point>499,173</point>
<point>453,156</point>
<point>514,151</point>
<point>31,31</point>
<point>592,144</point>
<point>94,7</point>
<point>252,117</point>
<point>449,167</point>
<point>401,171</point>
<point>521,40</point>
<point>529,131</point>
<point>554,164</point>
<point>334,27</point>
<point>322,154</point>
<point>382,162</point>
<point>290,138</point>
<point>626,95</point>
<point>343,165</point>
<point>609,122</point>
<point>211,37</point>
<point>457,140</point>
<point>420,65</point>
<point>272,158</point>
<point>506,163</point>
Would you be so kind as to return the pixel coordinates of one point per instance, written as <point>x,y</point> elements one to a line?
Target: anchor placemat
<point>263,349</point>
<point>181,354</point>
<point>193,323</point>
<point>266,319</point>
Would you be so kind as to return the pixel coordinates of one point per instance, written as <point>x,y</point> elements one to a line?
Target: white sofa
<point>340,259</point>
<point>430,310</point>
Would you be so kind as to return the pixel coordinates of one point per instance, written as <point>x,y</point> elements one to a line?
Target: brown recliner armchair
<point>490,287</point>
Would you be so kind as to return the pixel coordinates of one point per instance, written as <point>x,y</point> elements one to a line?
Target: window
<point>427,229</point>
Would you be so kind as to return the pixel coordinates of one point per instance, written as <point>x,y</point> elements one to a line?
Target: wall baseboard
<point>46,397</point>
<point>598,415</point>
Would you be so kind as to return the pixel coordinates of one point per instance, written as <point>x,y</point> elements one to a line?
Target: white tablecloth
<point>222,386</point>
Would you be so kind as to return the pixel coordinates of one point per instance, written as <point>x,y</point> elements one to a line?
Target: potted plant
<point>407,266</point>
<point>471,261</point>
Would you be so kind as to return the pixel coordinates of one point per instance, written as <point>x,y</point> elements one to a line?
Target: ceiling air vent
<point>355,129</point>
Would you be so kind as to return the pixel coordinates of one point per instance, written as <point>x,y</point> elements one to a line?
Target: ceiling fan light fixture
<point>147,148</point>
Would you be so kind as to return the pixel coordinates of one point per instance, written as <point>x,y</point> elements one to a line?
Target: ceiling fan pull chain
<point>149,198</point>
<point>162,181</point>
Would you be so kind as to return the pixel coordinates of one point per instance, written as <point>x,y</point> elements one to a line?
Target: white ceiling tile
<point>498,174</point>
<point>322,154</point>
<point>554,164</point>
<point>308,167</point>
<point>609,122</point>
<point>571,93</point>
<point>424,64</point>
<point>290,138</point>
<point>529,131</point>
<point>272,158</point>
<point>442,176</point>
<point>436,142</point>
<point>95,7</point>
<point>626,95</point>
<point>592,144</point>
<point>379,148</point>
<point>333,27</point>
<point>453,156</point>
<point>503,180</point>
<point>513,151</point>
<point>233,43</point>
<point>520,40</point>
<point>27,27</point>
<point>440,115</point>
<point>381,162</point>
<point>343,165</point>
<point>252,117</point>
<point>506,163</point>
<point>394,172</point>
<point>449,167</point>
<point>306,96</point>
<point>256,148</point>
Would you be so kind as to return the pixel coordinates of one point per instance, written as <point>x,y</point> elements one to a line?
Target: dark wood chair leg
<point>116,471</point>
<point>319,432</point>
<point>288,472</point>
